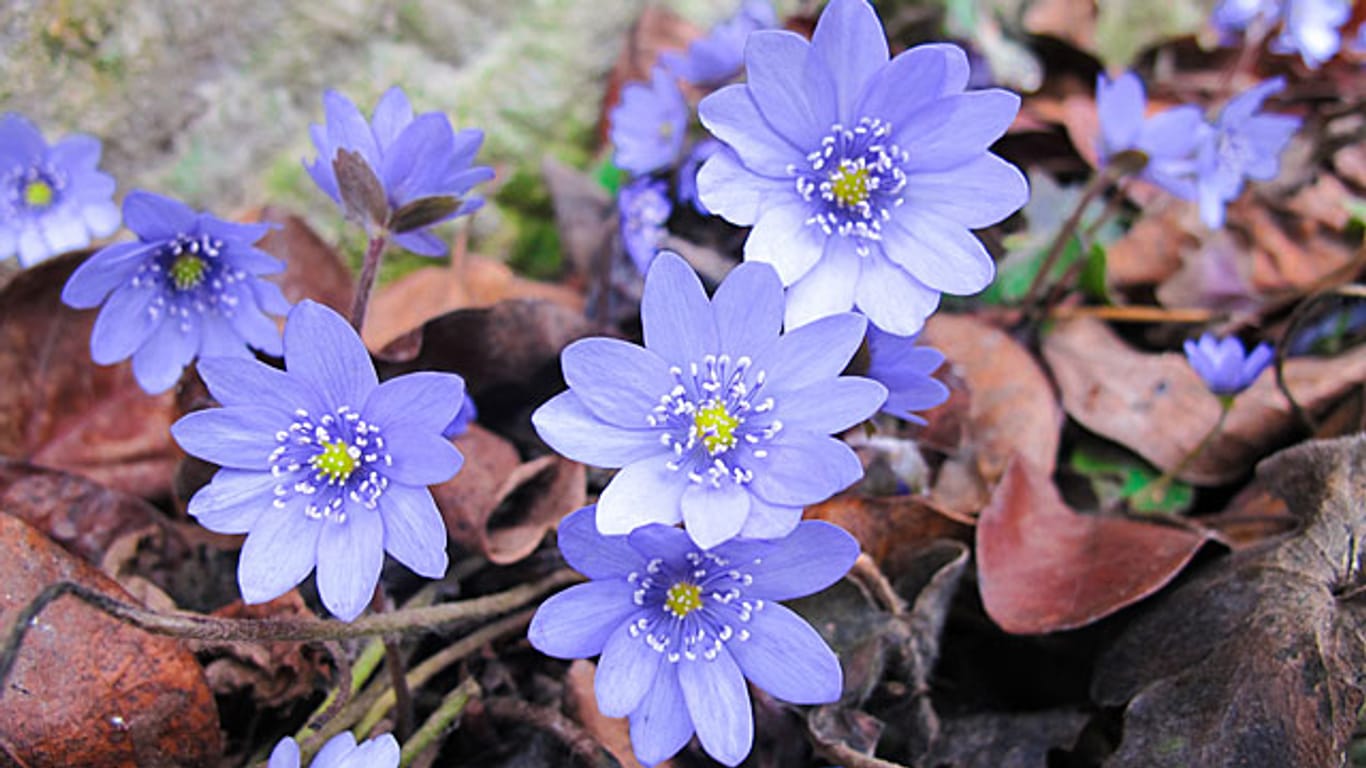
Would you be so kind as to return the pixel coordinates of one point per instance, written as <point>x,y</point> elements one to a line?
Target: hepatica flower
<point>340,751</point>
<point>862,177</point>
<point>687,173</point>
<point>1169,140</point>
<point>1241,145</point>
<point>644,208</point>
<point>1224,365</point>
<point>1310,28</point>
<point>413,158</point>
<point>719,55</point>
<point>719,421</point>
<point>904,368</point>
<point>323,465</point>
<point>680,628</point>
<point>649,124</point>
<point>54,198</point>
<point>189,287</point>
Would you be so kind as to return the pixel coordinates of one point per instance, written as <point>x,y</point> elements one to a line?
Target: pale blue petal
<point>421,401</point>
<point>803,468</point>
<point>775,61</point>
<point>850,42</point>
<point>913,81</point>
<point>975,194</point>
<point>250,382</point>
<point>158,363</point>
<point>675,314</point>
<point>124,324</point>
<point>941,254</point>
<point>831,405</point>
<point>713,515</point>
<point>575,623</point>
<point>380,752</point>
<point>323,350</point>
<point>100,274</point>
<point>278,553</point>
<point>643,492</point>
<point>154,217</point>
<point>892,298</point>
<point>625,671</point>
<point>421,458</point>
<point>240,436</point>
<point>787,658</point>
<point>812,353</point>
<point>393,113</point>
<point>815,555</point>
<point>661,726</point>
<point>828,288</point>
<point>414,166</point>
<point>347,129</point>
<point>567,425</point>
<point>733,117</point>
<point>414,532</point>
<point>233,500</point>
<point>783,239</point>
<point>718,704</point>
<point>592,554</point>
<point>617,381</point>
<point>735,193</point>
<point>748,309</point>
<point>285,755</point>
<point>769,521</point>
<point>334,751</point>
<point>350,555</point>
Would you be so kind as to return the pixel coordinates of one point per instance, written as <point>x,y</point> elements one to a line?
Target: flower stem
<point>1094,187</point>
<point>404,714</point>
<point>1156,491</point>
<point>435,727</point>
<point>365,285</point>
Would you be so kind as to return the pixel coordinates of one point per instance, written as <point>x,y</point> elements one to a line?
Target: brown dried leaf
<point>1042,567</point>
<point>313,270</point>
<point>59,409</point>
<point>1156,406</point>
<point>1006,740</point>
<point>892,528</point>
<point>1150,252</point>
<point>87,689</point>
<point>1256,660</point>
<point>277,674</point>
<point>1215,277</point>
<point>612,732</point>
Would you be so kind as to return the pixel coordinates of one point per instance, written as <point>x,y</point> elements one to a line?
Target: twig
<point>404,714</point>
<point>1156,491</point>
<point>1095,186</point>
<point>452,706</point>
<point>561,727</point>
<point>1134,314</point>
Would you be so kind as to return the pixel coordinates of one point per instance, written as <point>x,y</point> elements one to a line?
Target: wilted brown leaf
<point>277,674</point>
<point>1156,406</point>
<point>890,529</point>
<point>59,409</point>
<point>313,270</point>
<point>1257,660</point>
<point>1042,567</point>
<point>87,689</point>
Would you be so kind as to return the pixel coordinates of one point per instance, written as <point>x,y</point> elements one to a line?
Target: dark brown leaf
<point>890,529</point>
<point>59,409</point>
<point>87,689</point>
<point>1257,660</point>
<point>1008,740</point>
<point>1042,567</point>
<point>422,212</point>
<point>361,192</point>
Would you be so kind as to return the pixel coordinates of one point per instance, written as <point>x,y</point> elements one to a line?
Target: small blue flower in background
<point>680,629</point>
<point>1224,365</point>
<point>321,464</point>
<point>687,173</point>
<point>1169,139</point>
<point>1241,145</point>
<point>189,287</point>
<point>905,370</point>
<point>649,124</point>
<point>1310,28</point>
<point>53,199</point>
<point>340,751</point>
<point>863,178</point>
<point>459,425</point>
<point>718,57</point>
<point>644,208</point>
<point>719,421</point>
<point>412,157</point>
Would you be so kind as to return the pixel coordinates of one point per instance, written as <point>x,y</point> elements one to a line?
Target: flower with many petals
<point>1310,28</point>
<point>687,173</point>
<point>863,178</point>
<point>1169,140</point>
<point>718,421</point>
<point>680,628</point>
<point>340,751</point>
<point>1224,365</point>
<point>54,198</point>
<point>189,287</point>
<point>718,57</point>
<point>1241,145</point>
<point>414,159</point>
<point>904,369</point>
<point>649,124</point>
<point>644,208</point>
<point>322,464</point>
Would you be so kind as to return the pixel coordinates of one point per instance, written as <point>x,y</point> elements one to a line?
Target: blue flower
<point>189,287</point>
<point>412,157</point>
<point>681,628</point>
<point>649,124</point>
<point>1225,367</point>
<point>461,423</point>
<point>718,57</point>
<point>1311,28</point>
<point>687,173</point>
<point>321,464</point>
<point>53,199</point>
<point>644,207</point>
<point>340,751</point>
<point>904,369</point>
<point>1241,145</point>
<point>1169,139</point>
<point>719,421</point>
<point>862,177</point>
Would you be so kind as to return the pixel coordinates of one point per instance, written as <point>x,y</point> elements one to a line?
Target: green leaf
<point>1116,475</point>
<point>1015,274</point>
<point>1092,277</point>
<point>609,175</point>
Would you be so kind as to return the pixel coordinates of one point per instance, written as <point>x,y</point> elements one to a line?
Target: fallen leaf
<point>1151,251</point>
<point>276,674</point>
<point>1256,660</point>
<point>1216,277</point>
<point>1073,21</point>
<point>87,689</point>
<point>1156,406</point>
<point>59,409</point>
<point>313,269</point>
<point>1042,567</point>
<point>1006,740</point>
<point>890,528</point>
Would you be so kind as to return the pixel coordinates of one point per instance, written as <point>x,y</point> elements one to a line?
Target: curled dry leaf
<point>313,269</point>
<point>277,674</point>
<point>87,689</point>
<point>1257,660</point>
<point>1156,406</point>
<point>59,409</point>
<point>1042,567</point>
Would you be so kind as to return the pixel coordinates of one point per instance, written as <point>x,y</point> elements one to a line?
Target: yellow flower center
<point>849,184</point>
<point>683,598</point>
<point>187,272</point>
<point>716,426</point>
<point>336,461</point>
<point>38,194</point>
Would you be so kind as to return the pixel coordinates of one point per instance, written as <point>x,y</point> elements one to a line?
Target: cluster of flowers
<point>1310,28</point>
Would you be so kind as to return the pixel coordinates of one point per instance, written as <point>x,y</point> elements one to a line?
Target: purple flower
<point>1226,368</point>
<point>716,58</point>
<point>189,287</point>
<point>649,124</point>
<point>680,629</point>
<point>1311,28</point>
<point>461,423</point>
<point>687,173</point>
<point>862,177</point>
<point>904,369</point>
<point>1169,139</point>
<point>340,751</point>
<point>321,464</point>
<point>412,157</point>
<point>1241,145</point>
<point>644,207</point>
<point>53,199</point>
<point>719,421</point>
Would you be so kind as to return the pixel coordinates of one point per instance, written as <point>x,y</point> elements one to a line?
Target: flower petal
<point>413,167</point>
<point>749,309</point>
<point>285,754</point>
<point>100,274</point>
<point>975,194</point>
<point>734,192</point>
<point>787,658</point>
<point>828,288</point>
<point>425,401</point>
<point>350,555</point>
<point>154,217</point>
<point>124,324</point>
<point>774,63</point>
<point>567,425</point>
<point>158,363</point>
<point>233,500</point>
<point>278,553</point>
<point>392,115</point>
<point>713,515</point>
<point>718,703</point>
<point>769,521</point>
<point>812,353</point>
<point>660,725</point>
<point>782,238</point>
<point>575,623</point>
<point>942,254</point>
<point>239,436</point>
<point>380,752</point>
<point>347,128</point>
<point>850,42</point>
<point>815,555</point>
<point>591,553</point>
<point>323,350</point>
<point>250,382</point>
<point>421,458</point>
<point>804,468</point>
<point>675,314</point>
<point>625,671</point>
<point>619,382</point>
<point>644,492</point>
<point>335,750</point>
<point>892,298</point>
<point>414,532</point>
<point>733,117</point>
<point>830,406</point>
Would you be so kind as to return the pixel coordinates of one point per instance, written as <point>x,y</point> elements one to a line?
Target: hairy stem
<point>1156,491</point>
<point>365,285</point>
<point>452,706</point>
<point>393,655</point>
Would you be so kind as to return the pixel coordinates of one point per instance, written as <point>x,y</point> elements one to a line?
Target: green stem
<point>1156,491</point>
<point>436,725</point>
<point>365,285</point>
